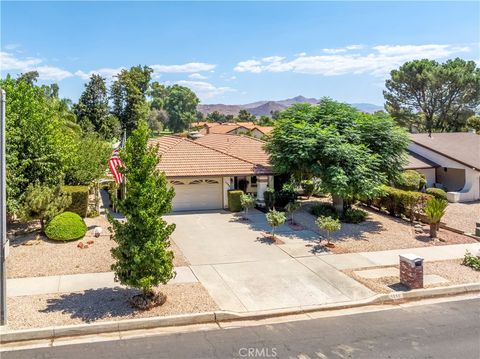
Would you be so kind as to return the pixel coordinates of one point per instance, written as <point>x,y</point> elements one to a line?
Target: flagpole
<point>3,212</point>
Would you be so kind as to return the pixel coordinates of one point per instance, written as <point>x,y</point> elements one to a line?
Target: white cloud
<point>188,67</point>
<point>205,90</point>
<point>9,62</point>
<point>106,72</point>
<point>378,60</point>
<point>197,76</point>
<point>11,46</point>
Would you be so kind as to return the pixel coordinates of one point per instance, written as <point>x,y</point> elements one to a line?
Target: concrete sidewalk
<point>78,282</point>
<point>386,258</point>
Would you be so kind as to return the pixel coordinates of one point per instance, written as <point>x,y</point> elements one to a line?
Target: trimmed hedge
<point>399,202</point>
<point>437,193</point>
<point>410,180</point>
<point>79,196</point>
<point>234,202</point>
<point>66,226</point>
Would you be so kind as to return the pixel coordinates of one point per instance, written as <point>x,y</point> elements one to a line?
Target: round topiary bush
<point>67,226</point>
<point>437,193</point>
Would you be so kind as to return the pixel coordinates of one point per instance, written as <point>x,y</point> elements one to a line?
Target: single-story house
<point>203,171</point>
<point>450,161</point>
<point>239,128</point>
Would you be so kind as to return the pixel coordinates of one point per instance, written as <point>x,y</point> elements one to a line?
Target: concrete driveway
<point>244,272</point>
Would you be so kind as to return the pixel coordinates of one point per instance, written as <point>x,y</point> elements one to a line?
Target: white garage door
<point>197,194</point>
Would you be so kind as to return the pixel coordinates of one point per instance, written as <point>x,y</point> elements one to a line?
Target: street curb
<point>51,333</point>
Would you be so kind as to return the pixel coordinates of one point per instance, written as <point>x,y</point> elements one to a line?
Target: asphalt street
<point>447,330</point>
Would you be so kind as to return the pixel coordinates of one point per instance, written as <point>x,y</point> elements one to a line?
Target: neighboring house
<point>240,128</point>
<point>449,160</point>
<point>202,173</point>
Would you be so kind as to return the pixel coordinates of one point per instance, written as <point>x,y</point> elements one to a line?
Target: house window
<point>211,181</point>
<point>196,182</point>
<point>176,183</point>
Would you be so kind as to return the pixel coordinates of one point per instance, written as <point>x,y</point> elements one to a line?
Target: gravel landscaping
<point>33,255</point>
<point>379,232</point>
<point>462,216</point>
<point>452,270</point>
<point>102,305</point>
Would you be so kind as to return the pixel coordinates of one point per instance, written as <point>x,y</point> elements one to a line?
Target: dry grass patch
<point>99,305</point>
<point>452,270</point>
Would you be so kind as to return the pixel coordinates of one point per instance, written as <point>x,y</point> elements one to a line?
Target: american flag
<point>114,164</point>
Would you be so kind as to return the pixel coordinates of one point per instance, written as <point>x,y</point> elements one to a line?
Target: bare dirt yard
<point>33,255</point>
<point>379,232</point>
<point>98,305</point>
<point>451,270</point>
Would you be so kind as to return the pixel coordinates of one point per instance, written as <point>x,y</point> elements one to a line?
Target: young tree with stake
<point>275,219</point>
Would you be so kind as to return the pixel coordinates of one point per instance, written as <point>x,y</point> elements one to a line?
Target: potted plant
<point>329,225</point>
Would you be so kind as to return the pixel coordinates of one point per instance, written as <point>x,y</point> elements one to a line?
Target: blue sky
<point>233,52</point>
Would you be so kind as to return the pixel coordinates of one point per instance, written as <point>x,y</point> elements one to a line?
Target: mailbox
<point>411,271</point>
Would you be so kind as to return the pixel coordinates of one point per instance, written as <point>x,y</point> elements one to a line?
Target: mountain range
<point>266,108</point>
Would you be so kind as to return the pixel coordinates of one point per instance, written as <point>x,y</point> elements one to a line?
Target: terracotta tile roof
<point>463,147</point>
<point>264,129</point>
<point>225,128</point>
<point>181,157</point>
<point>247,148</point>
<point>416,162</point>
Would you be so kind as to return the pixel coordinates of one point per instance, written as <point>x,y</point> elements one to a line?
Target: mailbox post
<point>411,271</point>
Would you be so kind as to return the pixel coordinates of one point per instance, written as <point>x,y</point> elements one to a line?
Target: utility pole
<point>3,213</point>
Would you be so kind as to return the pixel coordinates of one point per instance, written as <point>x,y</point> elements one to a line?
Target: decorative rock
<point>80,245</point>
<point>97,231</point>
<point>90,242</point>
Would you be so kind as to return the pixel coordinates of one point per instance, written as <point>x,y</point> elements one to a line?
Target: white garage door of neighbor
<point>197,194</point>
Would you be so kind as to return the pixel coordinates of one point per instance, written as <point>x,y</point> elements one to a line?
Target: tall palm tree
<point>435,210</point>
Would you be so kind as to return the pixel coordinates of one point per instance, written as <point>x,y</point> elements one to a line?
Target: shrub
<point>269,197</point>
<point>67,226</point>
<point>437,193</point>
<point>471,261</point>
<point>410,180</point>
<point>324,210</point>
<point>234,201</point>
<point>283,197</point>
<point>399,202</point>
<point>308,186</point>
<point>79,196</point>
<point>354,215</point>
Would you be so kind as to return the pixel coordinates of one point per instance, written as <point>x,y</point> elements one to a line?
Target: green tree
<point>43,203</point>
<point>329,225</point>
<point>275,219</point>
<point>30,77</point>
<point>216,116</point>
<point>92,109</point>
<point>181,106</point>
<point>157,119</point>
<point>473,122</point>
<point>89,161</point>
<point>433,96</point>
<point>39,141</point>
<point>245,116</point>
<point>435,210</point>
<point>142,258</point>
<point>352,153</point>
<point>129,96</point>
<point>158,94</point>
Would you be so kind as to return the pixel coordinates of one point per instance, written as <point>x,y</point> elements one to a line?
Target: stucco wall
<point>471,188</point>
<point>429,175</point>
